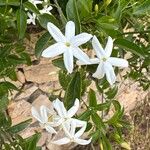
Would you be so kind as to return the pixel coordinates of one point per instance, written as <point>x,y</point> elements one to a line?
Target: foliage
<point>125,21</point>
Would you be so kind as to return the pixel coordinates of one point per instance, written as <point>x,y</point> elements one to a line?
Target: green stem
<point>62,17</point>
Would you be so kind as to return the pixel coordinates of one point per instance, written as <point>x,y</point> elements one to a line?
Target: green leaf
<point>84,8</point>
<point>73,90</point>
<point>105,142</point>
<point>45,18</point>
<point>21,22</point>
<point>41,43</point>
<point>72,14</point>
<point>31,7</point>
<point>142,9</point>
<point>112,92</point>
<point>10,2</point>
<point>9,86</point>
<point>103,106</point>
<point>92,98</point>
<point>59,63</point>
<point>30,143</point>
<point>129,46</point>
<point>4,102</point>
<point>19,127</point>
<point>64,79</point>
<point>85,115</point>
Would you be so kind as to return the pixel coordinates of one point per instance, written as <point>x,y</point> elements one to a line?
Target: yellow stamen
<point>67,44</point>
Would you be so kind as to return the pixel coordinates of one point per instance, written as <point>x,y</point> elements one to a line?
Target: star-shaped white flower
<point>46,9</point>
<point>35,2</point>
<point>63,113</point>
<point>47,118</point>
<point>72,135</point>
<point>104,61</point>
<point>67,45</point>
<point>31,18</point>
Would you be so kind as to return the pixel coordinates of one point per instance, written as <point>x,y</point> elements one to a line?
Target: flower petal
<point>59,106</point>
<point>109,46</point>
<point>36,115</point>
<point>44,113</point>
<point>71,112</point>
<point>55,32</point>
<point>62,141</point>
<point>79,54</point>
<point>70,30</point>
<point>83,142</point>
<point>91,61</point>
<point>54,50</point>
<point>72,128</point>
<point>119,62</point>
<point>97,47</point>
<point>81,130</point>
<point>80,39</point>
<point>50,129</point>
<point>68,60</point>
<point>110,74</point>
<point>100,71</point>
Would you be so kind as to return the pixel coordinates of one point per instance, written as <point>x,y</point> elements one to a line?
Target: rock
<point>21,77</point>
<point>26,92</point>
<point>41,73</point>
<point>19,111</point>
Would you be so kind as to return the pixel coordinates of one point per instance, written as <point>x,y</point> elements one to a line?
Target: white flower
<point>72,135</point>
<point>46,9</point>
<point>104,61</point>
<point>67,45</point>
<point>31,18</point>
<point>63,113</point>
<point>35,2</point>
<point>47,118</point>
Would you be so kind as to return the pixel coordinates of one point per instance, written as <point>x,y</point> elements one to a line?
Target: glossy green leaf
<point>19,127</point>
<point>21,22</point>
<point>31,7</point>
<point>129,46</point>
<point>73,14</point>
<point>59,63</point>
<point>73,90</point>
<point>10,2</point>
<point>41,43</point>
<point>112,92</point>
<point>142,9</point>
<point>45,18</point>
<point>92,98</point>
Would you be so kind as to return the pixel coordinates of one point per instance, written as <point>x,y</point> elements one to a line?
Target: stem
<point>62,17</point>
<point>141,32</point>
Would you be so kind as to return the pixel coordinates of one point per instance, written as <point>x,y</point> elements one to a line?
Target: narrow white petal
<point>79,123</point>
<point>72,111</point>
<point>72,128</point>
<point>91,61</point>
<point>109,46</point>
<point>59,106</point>
<point>44,113</point>
<point>54,50</point>
<point>62,141</point>
<point>80,39</point>
<point>83,142</point>
<point>99,72</point>
<point>55,32</point>
<point>36,115</point>
<point>119,62</point>
<point>67,127</point>
<point>80,131</point>
<point>50,129</point>
<point>70,30</point>
<point>68,60</point>
<point>79,54</point>
<point>97,47</point>
<point>110,74</point>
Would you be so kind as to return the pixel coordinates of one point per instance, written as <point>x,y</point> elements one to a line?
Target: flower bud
<point>125,145</point>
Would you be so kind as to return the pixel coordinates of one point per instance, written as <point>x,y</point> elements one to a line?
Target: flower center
<point>50,118</point>
<point>67,44</point>
<point>104,59</point>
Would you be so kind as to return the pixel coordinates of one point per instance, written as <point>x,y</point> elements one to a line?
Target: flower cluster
<point>46,10</point>
<point>63,120</point>
<point>68,45</point>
